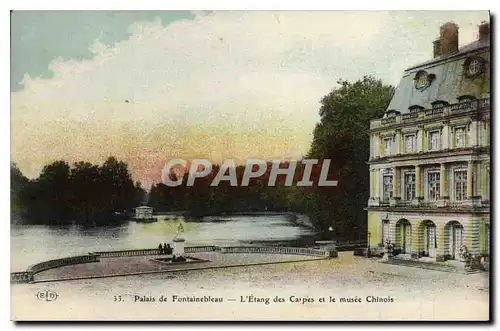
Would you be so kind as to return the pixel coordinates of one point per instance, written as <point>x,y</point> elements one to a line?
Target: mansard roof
<point>447,79</point>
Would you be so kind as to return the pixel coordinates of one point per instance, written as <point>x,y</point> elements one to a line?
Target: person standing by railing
<point>160,249</point>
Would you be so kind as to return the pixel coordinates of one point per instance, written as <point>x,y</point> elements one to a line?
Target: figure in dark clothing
<point>169,249</point>
<point>165,251</point>
<point>160,249</point>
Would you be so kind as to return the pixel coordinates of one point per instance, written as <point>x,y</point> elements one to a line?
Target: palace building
<point>430,155</point>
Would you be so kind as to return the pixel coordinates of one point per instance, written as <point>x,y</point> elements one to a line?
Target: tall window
<point>388,146</point>
<point>434,140</point>
<point>433,185</point>
<point>409,186</point>
<point>488,239</point>
<point>460,137</point>
<point>387,187</point>
<point>488,182</point>
<point>485,135</point>
<point>460,180</point>
<point>410,143</point>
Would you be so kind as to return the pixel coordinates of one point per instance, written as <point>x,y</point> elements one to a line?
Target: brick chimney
<point>448,38</point>
<point>484,30</point>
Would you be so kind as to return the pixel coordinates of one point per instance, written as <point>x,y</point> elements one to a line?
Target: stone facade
<point>430,157</point>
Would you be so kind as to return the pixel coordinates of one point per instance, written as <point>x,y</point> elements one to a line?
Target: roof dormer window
<point>391,113</point>
<point>473,66</point>
<point>466,98</point>
<point>439,104</point>
<point>415,108</point>
<point>423,80</point>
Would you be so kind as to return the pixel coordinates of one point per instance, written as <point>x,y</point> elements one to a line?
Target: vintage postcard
<point>250,165</point>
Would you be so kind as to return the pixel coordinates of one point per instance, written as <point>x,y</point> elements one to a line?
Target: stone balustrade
<point>129,252</point>
<point>350,245</point>
<point>21,277</point>
<point>276,250</point>
<point>27,276</point>
<point>201,249</point>
<point>57,263</point>
<point>469,203</point>
<point>424,114</point>
<point>152,251</point>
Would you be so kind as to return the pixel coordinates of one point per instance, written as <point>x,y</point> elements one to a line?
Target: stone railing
<point>403,203</point>
<point>27,276</point>
<point>201,249</point>
<point>410,117</point>
<point>21,277</point>
<point>472,202</point>
<point>434,112</point>
<point>388,120</point>
<point>276,250</point>
<point>36,268</point>
<point>153,251</point>
<point>444,111</point>
<point>484,104</point>
<point>351,244</point>
<point>129,252</point>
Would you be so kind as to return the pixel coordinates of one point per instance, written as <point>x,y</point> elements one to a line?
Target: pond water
<point>35,243</point>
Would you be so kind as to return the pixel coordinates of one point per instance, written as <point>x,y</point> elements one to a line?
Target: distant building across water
<point>144,214</point>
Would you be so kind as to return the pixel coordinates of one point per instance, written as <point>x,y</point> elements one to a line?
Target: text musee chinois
<point>249,299</point>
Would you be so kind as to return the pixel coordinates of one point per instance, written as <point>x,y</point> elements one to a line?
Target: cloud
<point>223,85</point>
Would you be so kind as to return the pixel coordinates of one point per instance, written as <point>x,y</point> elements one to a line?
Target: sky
<point>150,86</point>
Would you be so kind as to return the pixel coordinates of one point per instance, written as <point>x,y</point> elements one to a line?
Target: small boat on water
<point>144,214</point>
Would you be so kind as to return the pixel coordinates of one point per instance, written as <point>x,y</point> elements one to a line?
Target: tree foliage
<point>85,193</point>
<point>342,135</point>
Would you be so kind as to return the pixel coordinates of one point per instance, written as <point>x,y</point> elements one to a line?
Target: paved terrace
<point>135,265</point>
<point>145,261</point>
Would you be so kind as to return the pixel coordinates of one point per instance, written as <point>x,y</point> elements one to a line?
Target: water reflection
<point>34,243</point>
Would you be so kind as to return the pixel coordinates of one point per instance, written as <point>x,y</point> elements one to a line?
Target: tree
<point>342,135</point>
<point>86,193</point>
<point>85,185</point>
<point>18,185</point>
<point>117,187</point>
<point>48,198</point>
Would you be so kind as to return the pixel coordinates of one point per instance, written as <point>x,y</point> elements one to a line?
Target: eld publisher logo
<point>47,295</point>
